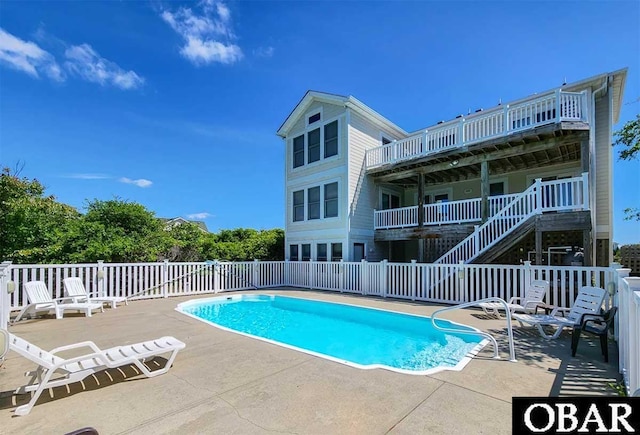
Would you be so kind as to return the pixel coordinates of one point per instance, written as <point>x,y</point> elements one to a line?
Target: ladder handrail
<point>512,352</point>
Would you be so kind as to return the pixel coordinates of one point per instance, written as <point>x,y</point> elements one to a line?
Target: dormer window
<point>314,118</point>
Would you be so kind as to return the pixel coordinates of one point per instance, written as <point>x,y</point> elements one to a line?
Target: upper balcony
<point>519,116</point>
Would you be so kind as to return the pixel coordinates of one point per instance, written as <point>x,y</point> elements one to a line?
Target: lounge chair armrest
<point>89,344</point>
<point>591,318</point>
<point>514,299</point>
<point>556,310</point>
<point>66,298</point>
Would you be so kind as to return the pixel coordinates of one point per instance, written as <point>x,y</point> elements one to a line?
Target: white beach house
<point>530,179</point>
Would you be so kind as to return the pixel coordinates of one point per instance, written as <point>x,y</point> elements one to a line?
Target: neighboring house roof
<point>179,221</point>
<point>340,100</point>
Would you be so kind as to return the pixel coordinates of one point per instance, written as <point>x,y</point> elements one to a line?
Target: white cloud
<point>207,34</point>
<point>141,182</point>
<point>88,176</point>
<point>264,51</point>
<point>28,57</point>
<point>85,62</point>
<point>203,215</point>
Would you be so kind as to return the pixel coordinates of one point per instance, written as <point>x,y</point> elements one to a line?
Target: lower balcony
<point>558,195</point>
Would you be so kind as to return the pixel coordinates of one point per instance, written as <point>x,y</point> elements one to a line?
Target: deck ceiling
<point>541,148</point>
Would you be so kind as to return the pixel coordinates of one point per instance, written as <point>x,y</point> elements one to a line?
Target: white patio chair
<point>588,302</point>
<point>74,289</point>
<point>67,371</point>
<point>40,300</point>
<point>532,297</point>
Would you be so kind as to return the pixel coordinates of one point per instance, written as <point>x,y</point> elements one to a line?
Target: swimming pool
<point>360,337</point>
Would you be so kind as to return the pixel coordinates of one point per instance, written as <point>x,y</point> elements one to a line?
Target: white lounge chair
<point>532,297</point>
<point>40,300</point>
<point>54,371</point>
<point>589,301</point>
<point>74,289</point>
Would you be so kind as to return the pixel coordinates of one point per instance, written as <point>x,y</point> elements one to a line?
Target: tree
<point>187,240</point>
<point>30,222</point>
<point>629,137</point>
<point>116,231</point>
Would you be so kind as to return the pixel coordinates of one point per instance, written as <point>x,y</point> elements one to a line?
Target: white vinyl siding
<point>603,173</point>
<point>363,193</point>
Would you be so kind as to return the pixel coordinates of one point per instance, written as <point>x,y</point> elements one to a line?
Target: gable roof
<point>200,224</point>
<point>349,102</point>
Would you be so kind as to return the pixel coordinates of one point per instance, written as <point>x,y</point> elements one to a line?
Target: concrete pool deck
<point>226,383</point>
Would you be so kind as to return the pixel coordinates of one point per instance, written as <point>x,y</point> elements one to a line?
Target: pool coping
<point>458,367</point>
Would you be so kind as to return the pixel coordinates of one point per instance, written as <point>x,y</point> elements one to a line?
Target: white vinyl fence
<point>441,283</point>
<point>628,330</point>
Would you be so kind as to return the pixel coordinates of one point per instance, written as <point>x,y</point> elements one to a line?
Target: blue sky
<point>175,105</point>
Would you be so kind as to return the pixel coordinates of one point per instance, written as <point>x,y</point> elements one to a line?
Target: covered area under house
<point>433,202</point>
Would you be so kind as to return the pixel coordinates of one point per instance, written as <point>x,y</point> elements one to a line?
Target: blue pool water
<point>363,337</point>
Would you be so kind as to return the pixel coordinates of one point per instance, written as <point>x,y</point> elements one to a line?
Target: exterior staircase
<point>515,218</point>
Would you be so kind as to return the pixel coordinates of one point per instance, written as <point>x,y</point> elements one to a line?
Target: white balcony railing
<point>541,197</point>
<point>396,218</point>
<point>452,212</point>
<point>557,195</point>
<point>500,121</point>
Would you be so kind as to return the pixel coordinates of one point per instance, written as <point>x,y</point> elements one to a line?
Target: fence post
<point>476,239</point>
<point>341,274</point>
<point>462,282</point>
<point>216,274</point>
<point>100,280</point>
<point>558,106</point>
<point>538,184</point>
<point>255,273</point>
<point>312,275</point>
<point>287,273</point>
<point>364,282</point>
<point>383,278</point>
<point>412,277</point>
<point>585,191</point>
<point>526,281</point>
<point>5,288</point>
<point>165,278</point>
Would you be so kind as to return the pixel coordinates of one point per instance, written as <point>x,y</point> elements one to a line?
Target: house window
<point>331,200</point>
<point>313,139</point>
<point>496,189</point>
<point>298,151</point>
<point>306,252</point>
<point>298,206</point>
<point>321,252</point>
<point>331,139</point>
<point>314,118</point>
<point>313,203</point>
<point>336,251</point>
<point>390,201</point>
<point>293,252</point>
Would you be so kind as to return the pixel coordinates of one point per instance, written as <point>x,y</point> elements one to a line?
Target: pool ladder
<point>512,351</point>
